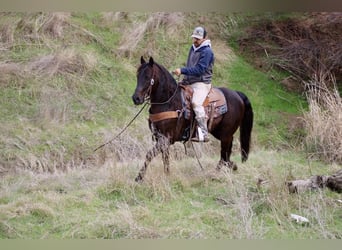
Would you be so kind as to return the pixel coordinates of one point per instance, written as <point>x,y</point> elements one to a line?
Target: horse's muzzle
<point>137,99</point>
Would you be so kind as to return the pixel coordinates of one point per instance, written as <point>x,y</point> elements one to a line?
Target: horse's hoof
<point>229,165</point>
<point>139,179</point>
<point>234,167</point>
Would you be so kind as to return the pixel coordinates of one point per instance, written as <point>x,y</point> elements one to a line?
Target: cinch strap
<point>163,115</point>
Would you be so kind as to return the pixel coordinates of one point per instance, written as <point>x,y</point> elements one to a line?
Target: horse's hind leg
<point>226,150</point>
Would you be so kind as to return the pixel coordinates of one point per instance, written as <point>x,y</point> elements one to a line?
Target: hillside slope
<point>66,81</point>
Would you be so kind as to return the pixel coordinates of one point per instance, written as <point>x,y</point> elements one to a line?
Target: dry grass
<point>63,62</point>
<point>10,71</point>
<point>54,23</point>
<point>7,34</point>
<point>133,37</point>
<point>36,25</point>
<point>324,120</point>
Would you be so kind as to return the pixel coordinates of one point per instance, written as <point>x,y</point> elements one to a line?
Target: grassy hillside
<point>65,88</point>
<point>68,80</point>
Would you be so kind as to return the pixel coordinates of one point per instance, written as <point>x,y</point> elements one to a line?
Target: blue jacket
<point>199,67</point>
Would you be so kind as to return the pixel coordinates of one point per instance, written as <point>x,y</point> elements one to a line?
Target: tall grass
<point>190,203</point>
<point>324,120</point>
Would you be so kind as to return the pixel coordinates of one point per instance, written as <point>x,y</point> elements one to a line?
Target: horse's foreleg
<point>162,145</point>
<point>166,161</point>
<point>149,156</point>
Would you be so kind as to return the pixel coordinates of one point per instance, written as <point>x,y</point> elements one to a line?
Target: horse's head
<point>145,81</point>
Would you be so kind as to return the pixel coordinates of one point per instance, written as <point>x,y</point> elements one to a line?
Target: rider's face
<point>197,42</point>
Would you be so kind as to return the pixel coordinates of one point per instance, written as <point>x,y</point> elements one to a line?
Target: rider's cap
<point>198,33</point>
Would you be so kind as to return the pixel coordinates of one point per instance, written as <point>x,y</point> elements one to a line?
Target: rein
<point>160,103</point>
<point>123,130</point>
<point>149,93</point>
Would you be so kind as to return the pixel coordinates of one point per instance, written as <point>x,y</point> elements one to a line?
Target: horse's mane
<point>164,71</point>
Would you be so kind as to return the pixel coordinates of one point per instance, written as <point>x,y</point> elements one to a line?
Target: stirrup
<point>196,139</point>
<point>200,137</point>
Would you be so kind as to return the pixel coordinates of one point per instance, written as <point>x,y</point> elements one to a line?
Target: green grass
<point>271,103</point>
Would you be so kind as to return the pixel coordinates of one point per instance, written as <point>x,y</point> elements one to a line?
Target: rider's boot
<point>202,134</point>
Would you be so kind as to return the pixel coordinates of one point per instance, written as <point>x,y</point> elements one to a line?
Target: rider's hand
<point>177,72</point>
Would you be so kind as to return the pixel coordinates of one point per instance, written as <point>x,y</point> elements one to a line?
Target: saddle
<point>214,104</point>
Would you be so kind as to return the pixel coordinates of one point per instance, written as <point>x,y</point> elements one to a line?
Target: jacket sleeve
<point>201,66</point>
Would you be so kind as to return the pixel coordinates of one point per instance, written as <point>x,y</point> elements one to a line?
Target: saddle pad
<point>215,104</point>
<point>215,96</point>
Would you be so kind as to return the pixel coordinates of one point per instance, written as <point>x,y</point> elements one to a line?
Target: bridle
<point>149,91</point>
<point>147,95</point>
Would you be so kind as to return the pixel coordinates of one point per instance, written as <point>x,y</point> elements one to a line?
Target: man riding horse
<point>198,73</point>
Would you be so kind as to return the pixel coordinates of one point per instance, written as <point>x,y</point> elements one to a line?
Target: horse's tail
<point>246,127</point>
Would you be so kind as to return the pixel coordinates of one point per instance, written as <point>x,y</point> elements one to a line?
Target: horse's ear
<point>151,62</point>
<point>142,60</point>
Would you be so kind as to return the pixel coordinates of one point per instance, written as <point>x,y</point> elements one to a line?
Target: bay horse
<point>168,122</point>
